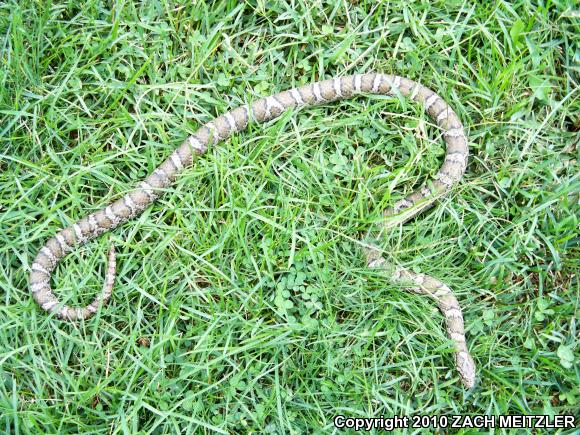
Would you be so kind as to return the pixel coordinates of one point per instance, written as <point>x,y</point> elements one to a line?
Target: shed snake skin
<point>262,110</point>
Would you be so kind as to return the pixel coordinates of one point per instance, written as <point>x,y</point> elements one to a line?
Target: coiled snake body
<point>265,109</point>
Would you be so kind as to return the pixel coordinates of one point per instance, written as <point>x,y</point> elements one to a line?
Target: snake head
<point>466,368</point>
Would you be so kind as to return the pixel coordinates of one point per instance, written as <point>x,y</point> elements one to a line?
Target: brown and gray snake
<point>262,110</point>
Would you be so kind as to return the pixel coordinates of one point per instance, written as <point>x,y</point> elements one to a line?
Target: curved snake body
<point>236,120</point>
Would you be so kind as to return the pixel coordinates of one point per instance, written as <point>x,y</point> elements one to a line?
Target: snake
<point>262,110</point>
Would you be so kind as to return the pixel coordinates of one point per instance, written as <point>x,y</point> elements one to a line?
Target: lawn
<point>243,302</point>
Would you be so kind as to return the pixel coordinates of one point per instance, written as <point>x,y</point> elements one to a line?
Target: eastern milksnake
<point>262,110</point>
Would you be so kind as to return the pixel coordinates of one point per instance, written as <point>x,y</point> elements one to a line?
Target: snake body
<point>259,111</point>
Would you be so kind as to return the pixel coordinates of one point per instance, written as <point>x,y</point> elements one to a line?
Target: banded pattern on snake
<point>262,110</point>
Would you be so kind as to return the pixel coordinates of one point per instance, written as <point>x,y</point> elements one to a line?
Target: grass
<point>242,301</point>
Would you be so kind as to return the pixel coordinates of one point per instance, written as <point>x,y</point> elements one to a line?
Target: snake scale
<point>262,110</point>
